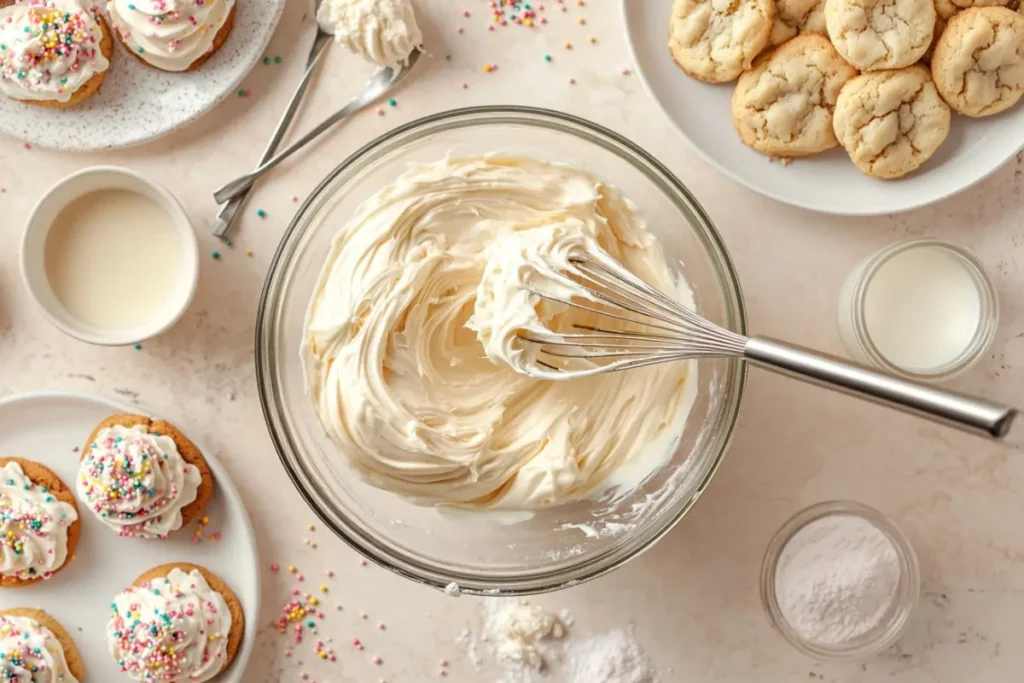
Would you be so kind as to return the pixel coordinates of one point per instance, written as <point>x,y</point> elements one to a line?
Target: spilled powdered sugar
<point>527,643</point>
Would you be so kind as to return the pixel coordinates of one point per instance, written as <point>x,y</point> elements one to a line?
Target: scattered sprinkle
<point>243,93</point>
<point>323,588</point>
<point>572,81</point>
<point>215,255</point>
<point>295,199</point>
<point>248,252</point>
<point>393,102</point>
<point>261,213</point>
<point>137,347</point>
<point>380,111</point>
<point>330,573</point>
<point>625,72</point>
<point>300,577</point>
<point>591,39</point>
<point>266,60</point>
<point>292,569</point>
<point>228,241</point>
<point>547,58</point>
<point>278,59</point>
<point>447,58</point>
<point>27,146</point>
<point>581,21</point>
<point>377,660</point>
<point>465,85</point>
<point>231,395</point>
<point>381,627</point>
<point>567,45</point>
<point>362,563</point>
<point>275,567</point>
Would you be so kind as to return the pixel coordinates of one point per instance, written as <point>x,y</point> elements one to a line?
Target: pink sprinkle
<point>297,639</point>
<point>295,591</point>
<point>381,627</point>
<point>443,673</point>
<point>27,146</point>
<point>461,30</point>
<point>319,614</point>
<point>380,111</point>
<point>300,577</point>
<point>625,72</point>
<point>465,86</point>
<point>465,13</point>
<point>362,563</point>
<point>331,658</point>
<point>304,676</point>
<point>377,660</point>
<point>355,642</point>
<point>295,200</point>
<point>330,573</point>
<point>444,663</point>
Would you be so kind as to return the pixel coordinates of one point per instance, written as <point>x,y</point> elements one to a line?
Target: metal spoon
<point>381,82</point>
<point>324,33</point>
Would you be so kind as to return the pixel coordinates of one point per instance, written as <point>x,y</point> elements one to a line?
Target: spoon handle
<point>229,210</point>
<point>379,83</point>
<point>968,414</point>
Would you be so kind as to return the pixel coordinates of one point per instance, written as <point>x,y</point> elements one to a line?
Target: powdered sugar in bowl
<point>840,581</point>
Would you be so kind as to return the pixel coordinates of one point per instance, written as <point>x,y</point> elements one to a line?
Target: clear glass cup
<point>493,553</point>
<point>854,331</point>
<point>893,623</point>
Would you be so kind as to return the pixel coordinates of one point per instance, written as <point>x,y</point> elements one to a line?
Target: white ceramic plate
<point>45,427</point>
<point>828,182</point>
<point>137,104</point>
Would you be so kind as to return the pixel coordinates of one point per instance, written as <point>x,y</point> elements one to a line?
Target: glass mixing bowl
<point>483,552</point>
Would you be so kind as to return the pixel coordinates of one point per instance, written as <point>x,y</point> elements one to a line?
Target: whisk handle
<point>968,414</point>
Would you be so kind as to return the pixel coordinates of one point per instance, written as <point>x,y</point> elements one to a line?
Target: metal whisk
<point>637,326</point>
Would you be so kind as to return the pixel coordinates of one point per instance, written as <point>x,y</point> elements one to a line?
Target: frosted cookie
<point>715,40</point>
<point>783,106</point>
<point>35,648</point>
<point>179,615</point>
<point>143,477</point>
<point>944,11</point>
<point>891,122</point>
<point>53,53</point>
<point>978,64</point>
<point>880,34</point>
<point>172,35</point>
<point>39,525</point>
<point>793,17</point>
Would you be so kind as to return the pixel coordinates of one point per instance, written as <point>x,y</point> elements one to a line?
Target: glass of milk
<point>920,308</point>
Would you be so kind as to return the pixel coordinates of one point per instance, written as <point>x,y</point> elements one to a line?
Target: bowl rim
<point>356,537</point>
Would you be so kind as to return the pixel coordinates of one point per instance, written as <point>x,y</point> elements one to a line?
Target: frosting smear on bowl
<point>407,349</point>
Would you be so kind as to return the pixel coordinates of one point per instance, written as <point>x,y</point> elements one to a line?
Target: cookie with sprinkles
<point>143,478</point>
<point>172,35</point>
<point>53,53</point>
<point>35,648</point>
<point>39,524</point>
<point>176,622</point>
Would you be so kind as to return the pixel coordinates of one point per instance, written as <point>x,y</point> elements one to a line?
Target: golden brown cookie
<point>891,122</point>
<point>715,40</point>
<point>188,450</point>
<point>978,63</point>
<point>71,656</point>
<point>41,475</point>
<point>217,584</point>
<point>91,86</point>
<point>783,106</point>
<point>218,42</point>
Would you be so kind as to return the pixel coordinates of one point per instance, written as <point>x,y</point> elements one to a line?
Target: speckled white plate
<point>45,427</point>
<point>827,182</point>
<point>137,104</point>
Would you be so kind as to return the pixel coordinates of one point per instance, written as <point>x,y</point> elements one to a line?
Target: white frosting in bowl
<point>169,34</point>
<point>48,49</point>
<point>383,32</point>
<point>404,387</point>
<point>33,526</point>
<point>136,481</point>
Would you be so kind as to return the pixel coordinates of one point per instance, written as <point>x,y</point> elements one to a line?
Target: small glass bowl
<point>896,619</point>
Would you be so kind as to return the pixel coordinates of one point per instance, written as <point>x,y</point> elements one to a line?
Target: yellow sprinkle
<point>528,21</point>
<point>323,587</point>
<point>291,568</point>
<point>591,39</point>
<point>487,68</point>
<point>321,654</point>
<point>313,601</point>
<point>581,21</point>
<point>310,527</point>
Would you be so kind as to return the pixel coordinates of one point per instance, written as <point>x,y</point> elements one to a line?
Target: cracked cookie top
<point>793,17</point>
<point>978,63</point>
<point>715,40</point>
<point>880,34</point>
<point>783,106</point>
<point>891,122</point>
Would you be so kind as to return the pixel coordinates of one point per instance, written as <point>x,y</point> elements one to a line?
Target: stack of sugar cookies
<point>879,77</point>
<point>143,479</point>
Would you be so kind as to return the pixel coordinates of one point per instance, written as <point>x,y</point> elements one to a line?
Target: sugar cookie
<point>783,106</point>
<point>891,122</point>
<point>880,34</point>
<point>715,40</point>
<point>793,17</point>
<point>944,11</point>
<point>978,64</point>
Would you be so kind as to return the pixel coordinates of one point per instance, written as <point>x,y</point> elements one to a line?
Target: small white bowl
<point>33,254</point>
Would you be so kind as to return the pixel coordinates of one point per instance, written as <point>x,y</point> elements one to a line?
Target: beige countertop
<point>693,598</point>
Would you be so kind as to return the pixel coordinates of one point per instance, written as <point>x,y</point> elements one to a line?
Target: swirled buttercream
<point>48,49</point>
<point>33,526</point>
<point>404,387</point>
<point>136,481</point>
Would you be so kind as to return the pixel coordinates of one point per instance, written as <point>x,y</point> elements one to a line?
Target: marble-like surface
<point>693,598</point>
